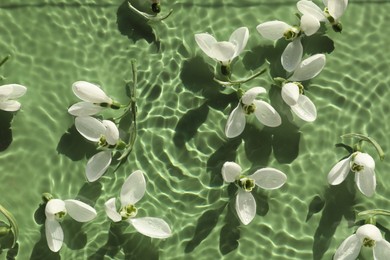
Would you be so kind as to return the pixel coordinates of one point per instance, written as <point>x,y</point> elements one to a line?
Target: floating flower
<point>363,165</point>
<point>133,189</point>
<point>263,111</point>
<point>266,178</point>
<point>94,99</point>
<point>106,134</point>
<point>8,93</point>
<point>225,51</point>
<point>367,235</point>
<point>55,212</point>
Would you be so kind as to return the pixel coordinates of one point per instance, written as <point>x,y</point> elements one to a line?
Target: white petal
<point>366,181</point>
<point>80,211</point>
<point>54,235</point>
<point>133,189</point>
<point>12,91</point>
<point>336,8</point>
<point>89,92</point>
<point>305,109</point>
<point>10,105</point>
<point>339,172</point>
<point>309,24</point>
<point>111,212</point>
<point>239,38</point>
<point>53,207</point>
<point>310,8</point>
<point>236,122</point>
<point>84,108</point>
<point>89,127</point>
<point>309,68</point>
<point>223,52</point>
<point>205,41</point>
<point>245,206</point>
<point>273,30</point>
<point>349,249</point>
<point>251,94</point>
<point>151,227</point>
<point>382,250</point>
<point>369,231</point>
<point>269,178</point>
<point>111,133</point>
<point>290,93</point>
<point>231,171</point>
<point>266,114</point>
<point>292,55</point>
<point>365,160</point>
<point>97,165</point>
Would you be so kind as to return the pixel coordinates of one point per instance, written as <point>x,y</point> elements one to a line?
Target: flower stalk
<point>368,139</point>
<point>230,83</point>
<point>12,222</point>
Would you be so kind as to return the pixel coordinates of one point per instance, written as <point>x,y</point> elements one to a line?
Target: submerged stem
<point>12,221</point>
<point>150,17</point>
<point>4,60</point>
<point>239,82</point>
<point>369,140</point>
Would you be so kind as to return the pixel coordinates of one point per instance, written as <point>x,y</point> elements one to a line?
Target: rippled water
<point>181,116</point>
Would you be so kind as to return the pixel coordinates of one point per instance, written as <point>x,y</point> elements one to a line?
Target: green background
<point>181,118</point>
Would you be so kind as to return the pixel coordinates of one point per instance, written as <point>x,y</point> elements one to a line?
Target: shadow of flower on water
<point>5,130</point>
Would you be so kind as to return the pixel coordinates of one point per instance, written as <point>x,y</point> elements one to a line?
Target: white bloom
<point>132,191</point>
<point>105,133</point>
<point>94,99</point>
<point>55,211</point>
<point>8,93</point>
<point>224,51</point>
<point>363,165</point>
<point>368,236</point>
<point>263,111</point>
<point>266,178</point>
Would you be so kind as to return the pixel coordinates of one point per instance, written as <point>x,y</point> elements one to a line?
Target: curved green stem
<point>153,18</point>
<point>369,140</point>
<point>239,82</point>
<point>373,212</point>
<point>4,60</point>
<point>12,221</point>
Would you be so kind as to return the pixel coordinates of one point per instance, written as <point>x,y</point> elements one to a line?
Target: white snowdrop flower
<point>8,94</point>
<point>133,189</point>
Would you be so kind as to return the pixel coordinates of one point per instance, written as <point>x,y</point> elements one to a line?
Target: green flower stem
<point>4,60</point>
<point>153,18</point>
<point>239,82</point>
<point>373,212</point>
<point>368,139</point>
<point>12,222</point>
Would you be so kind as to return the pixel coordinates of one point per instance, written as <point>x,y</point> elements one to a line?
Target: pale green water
<point>181,116</point>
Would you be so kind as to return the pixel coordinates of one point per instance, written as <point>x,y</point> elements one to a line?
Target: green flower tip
<point>46,197</point>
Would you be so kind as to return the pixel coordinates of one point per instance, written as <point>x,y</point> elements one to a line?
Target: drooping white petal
<point>292,55</point>
<point>269,178</point>
<point>111,211</point>
<point>382,250</point>
<point>337,8</point>
<point>151,227</point>
<point>12,91</point>
<point>251,94</point>
<point>366,181</point>
<point>273,30</point>
<point>290,93</point>
<point>236,122</point>
<point>53,207</point>
<point>339,172</point>
<point>205,41</point>
<point>364,159</point>
<point>223,52</point>
<point>349,249</point>
<point>245,206</point>
<point>10,105</point>
<point>305,109</point>
<point>111,133</point>
<point>54,235</point>
<point>97,165</point>
<point>84,108</point>
<point>89,127</point>
<point>309,68</point>
<point>309,24</point>
<point>369,231</point>
<point>239,38</point>
<point>310,8</point>
<point>266,114</point>
<point>80,211</point>
<point>90,92</point>
<point>133,189</point>
<point>231,171</point>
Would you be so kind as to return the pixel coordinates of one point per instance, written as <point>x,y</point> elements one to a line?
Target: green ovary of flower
<point>300,86</point>
<point>249,109</point>
<point>128,211</point>
<point>291,33</point>
<point>356,167</point>
<point>246,184</point>
<point>60,215</point>
<point>367,242</point>
<point>102,141</point>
